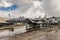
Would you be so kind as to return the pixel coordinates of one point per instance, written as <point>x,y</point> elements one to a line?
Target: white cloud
<point>3,3</point>
<point>26,8</point>
<point>36,3</point>
<point>52,7</point>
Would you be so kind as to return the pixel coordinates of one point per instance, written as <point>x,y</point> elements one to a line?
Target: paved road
<point>36,35</point>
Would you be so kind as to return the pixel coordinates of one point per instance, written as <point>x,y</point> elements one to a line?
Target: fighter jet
<point>28,21</point>
<point>34,23</point>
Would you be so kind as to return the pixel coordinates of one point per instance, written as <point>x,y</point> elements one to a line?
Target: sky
<point>52,7</point>
<point>29,8</point>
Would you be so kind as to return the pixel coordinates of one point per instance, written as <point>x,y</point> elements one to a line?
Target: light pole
<point>9,23</point>
<point>9,16</point>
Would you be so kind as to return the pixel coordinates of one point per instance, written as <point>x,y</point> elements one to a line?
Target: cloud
<point>26,8</point>
<point>7,6</point>
<point>52,7</point>
<point>3,3</point>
